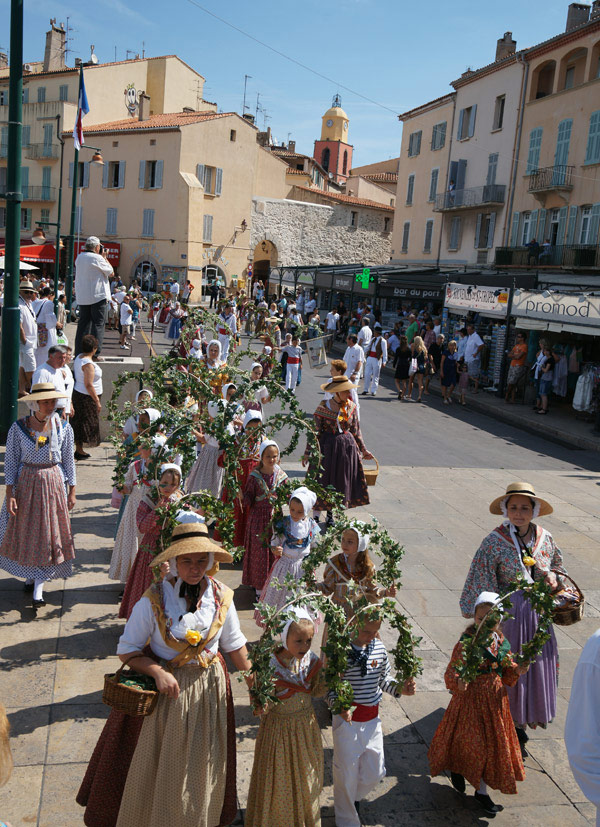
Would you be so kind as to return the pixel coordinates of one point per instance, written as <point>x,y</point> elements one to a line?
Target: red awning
<point>38,253</point>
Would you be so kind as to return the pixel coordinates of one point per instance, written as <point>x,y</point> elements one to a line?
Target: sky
<point>397,54</point>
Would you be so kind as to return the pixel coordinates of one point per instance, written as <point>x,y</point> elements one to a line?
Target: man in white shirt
<point>354,358</point>
<point>310,305</point>
<point>53,371</point>
<point>28,336</point>
<point>377,356</point>
<point>46,322</point>
<point>300,302</point>
<point>226,329</point>
<point>174,291</point>
<point>473,350</point>
<point>92,288</point>
<point>331,326</point>
<point>365,334</point>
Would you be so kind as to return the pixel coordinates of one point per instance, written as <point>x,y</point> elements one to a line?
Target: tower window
<point>345,163</point>
<point>325,159</point>
<point>353,218</point>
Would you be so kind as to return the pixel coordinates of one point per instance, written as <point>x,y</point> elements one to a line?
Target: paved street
<point>440,468</point>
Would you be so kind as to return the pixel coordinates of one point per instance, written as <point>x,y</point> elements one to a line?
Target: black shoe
<point>28,587</point>
<point>357,807</point>
<point>488,805</point>
<point>38,603</point>
<point>523,738</point>
<point>365,393</point>
<point>78,456</point>
<point>458,782</point>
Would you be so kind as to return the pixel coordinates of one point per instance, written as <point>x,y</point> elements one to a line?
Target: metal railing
<point>34,193</point>
<point>41,151</point>
<point>550,178</point>
<point>472,197</point>
<point>560,255</point>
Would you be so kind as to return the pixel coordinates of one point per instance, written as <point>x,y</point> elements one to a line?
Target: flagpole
<point>71,248</point>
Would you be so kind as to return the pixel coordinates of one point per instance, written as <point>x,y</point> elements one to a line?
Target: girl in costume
<point>287,774</point>
<point>291,541</point>
<point>205,474</point>
<point>261,395</point>
<point>176,766</point>
<point>174,331</point>
<point>476,739</point>
<point>266,361</point>
<point>130,428</point>
<point>259,495</point>
<point>168,490</point>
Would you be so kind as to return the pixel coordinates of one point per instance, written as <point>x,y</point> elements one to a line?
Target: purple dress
<point>495,565</point>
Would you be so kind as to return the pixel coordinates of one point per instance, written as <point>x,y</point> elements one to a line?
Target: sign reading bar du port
<point>572,308</point>
<point>489,301</point>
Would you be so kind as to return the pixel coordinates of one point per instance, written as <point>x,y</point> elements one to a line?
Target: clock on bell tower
<point>333,151</point>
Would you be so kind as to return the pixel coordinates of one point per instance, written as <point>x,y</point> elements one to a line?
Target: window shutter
<point>418,139</point>
<point>478,229</point>
<point>433,184</point>
<point>105,175</point>
<point>26,95</point>
<point>514,230</point>
<point>121,174</point>
<point>441,135</point>
<point>563,139</point>
<point>86,174</point>
<point>472,120</point>
<point>455,233</point>
<point>46,179</point>
<point>594,225</point>
<point>200,173</point>
<point>207,228</point>
<point>492,169</point>
<point>25,181</point>
<point>4,141</point>
<point>219,181</point>
<point>48,134</point>
<point>542,226</point>
<point>562,221</point>
<point>571,225</point>
<point>142,175</point>
<point>26,135</point>
<point>108,221</point>
<point>410,143</point>
<point>3,180</point>
<point>428,235</point>
<point>461,117</point>
<point>410,189</point>
<point>434,137</point>
<point>533,224</point>
<point>535,144</point>
<point>491,228</point>
<point>71,173</point>
<point>111,221</point>
<point>592,153</point>
<point>158,178</point>
<point>28,219</point>
<point>405,235</point>
<point>41,94</point>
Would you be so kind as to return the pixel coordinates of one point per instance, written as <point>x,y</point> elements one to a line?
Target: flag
<point>82,109</point>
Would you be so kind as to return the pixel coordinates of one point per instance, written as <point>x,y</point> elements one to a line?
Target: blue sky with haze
<point>399,54</point>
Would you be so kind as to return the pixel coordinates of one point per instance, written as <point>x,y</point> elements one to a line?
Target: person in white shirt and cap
<point>92,290</point>
<point>377,356</point>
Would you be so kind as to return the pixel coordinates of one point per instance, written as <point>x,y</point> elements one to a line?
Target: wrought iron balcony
<point>561,255</point>
<point>41,152</point>
<point>468,199</point>
<point>551,178</point>
<point>33,193</point>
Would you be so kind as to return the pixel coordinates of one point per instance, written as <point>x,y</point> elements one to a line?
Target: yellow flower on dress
<point>193,637</point>
<point>528,561</point>
<point>41,441</point>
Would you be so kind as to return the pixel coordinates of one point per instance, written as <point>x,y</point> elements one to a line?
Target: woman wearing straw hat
<point>182,770</point>
<point>519,546</point>
<point>342,446</point>
<point>35,529</point>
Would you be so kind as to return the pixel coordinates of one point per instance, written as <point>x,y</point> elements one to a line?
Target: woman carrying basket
<point>520,547</point>
<point>183,767</point>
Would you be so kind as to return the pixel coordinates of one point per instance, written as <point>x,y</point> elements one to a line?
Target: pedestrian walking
<point>402,361</point>
<point>376,358</point>
<point>87,397</point>
<point>419,361</point>
<point>448,373</point>
<point>473,350</point>
<point>517,369</point>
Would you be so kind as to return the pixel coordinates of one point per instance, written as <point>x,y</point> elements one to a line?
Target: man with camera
<point>92,290</point>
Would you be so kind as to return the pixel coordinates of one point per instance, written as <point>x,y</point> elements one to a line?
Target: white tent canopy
<point>22,265</point>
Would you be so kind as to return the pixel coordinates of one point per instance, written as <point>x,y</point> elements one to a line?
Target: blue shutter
<point>111,221</point>
<point>105,175</point>
<point>121,174</point>
<point>433,184</point>
<point>26,95</point>
<point>472,120</point>
<point>571,225</point>
<point>142,177</point>
<point>26,139</point>
<point>428,235</point>
<point>86,174</point>
<point>48,135</point>
<point>46,182</point>
<point>219,181</point>
<point>148,223</point>
<point>535,145</point>
<point>492,226</point>
<point>478,229</point>
<point>492,169</point>
<point>41,94</point>
<point>405,236</point>
<point>561,156</point>
<point>418,141</point>
<point>207,228</point>
<point>410,189</point>
<point>200,173</point>
<point>562,221</point>
<point>542,226</point>
<point>4,142</point>
<point>533,224</point>
<point>27,219</point>
<point>71,173</point>
<point>592,153</point>
<point>461,117</point>
<point>25,181</point>
<point>454,233</point>
<point>514,230</point>
<point>594,225</point>
<point>158,176</point>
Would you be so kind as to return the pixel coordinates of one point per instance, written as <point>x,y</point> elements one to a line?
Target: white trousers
<point>291,377</point>
<point>358,765</point>
<point>354,398</point>
<point>224,339</point>
<point>372,371</point>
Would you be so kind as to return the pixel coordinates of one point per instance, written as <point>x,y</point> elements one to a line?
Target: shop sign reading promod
<point>577,308</point>
<point>489,301</point>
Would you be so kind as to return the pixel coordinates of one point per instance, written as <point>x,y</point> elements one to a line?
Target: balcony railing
<point>561,255</point>
<point>41,152</point>
<point>551,178</point>
<point>470,198</point>
<point>33,193</point>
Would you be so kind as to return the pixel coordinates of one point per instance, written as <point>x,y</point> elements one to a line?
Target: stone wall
<point>306,233</point>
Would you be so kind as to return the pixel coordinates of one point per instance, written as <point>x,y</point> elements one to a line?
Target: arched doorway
<point>265,257</point>
<point>146,272</point>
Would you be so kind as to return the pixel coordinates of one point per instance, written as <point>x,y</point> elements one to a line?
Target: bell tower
<point>333,151</point>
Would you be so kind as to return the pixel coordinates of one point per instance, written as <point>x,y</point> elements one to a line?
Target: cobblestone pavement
<point>440,468</point>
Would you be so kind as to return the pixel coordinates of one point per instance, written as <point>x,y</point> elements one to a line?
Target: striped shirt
<point>369,688</point>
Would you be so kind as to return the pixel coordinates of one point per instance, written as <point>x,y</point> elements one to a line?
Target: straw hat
<point>27,285</point>
<point>191,538</point>
<point>526,489</point>
<point>337,384</point>
<point>43,390</point>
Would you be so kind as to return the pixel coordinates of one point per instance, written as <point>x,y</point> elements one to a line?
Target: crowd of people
<point>177,765</point>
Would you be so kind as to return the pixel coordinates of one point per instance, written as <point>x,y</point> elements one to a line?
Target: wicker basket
<point>371,473</point>
<point>570,614</point>
<point>128,699</point>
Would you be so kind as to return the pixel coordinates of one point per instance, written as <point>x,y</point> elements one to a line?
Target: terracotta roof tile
<point>386,177</point>
<point>290,171</point>
<point>172,120</point>
<point>348,199</point>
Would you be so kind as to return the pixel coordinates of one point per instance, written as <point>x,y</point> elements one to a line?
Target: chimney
<point>78,62</point>
<point>577,15</point>
<point>595,13</point>
<point>248,116</point>
<point>3,60</point>
<point>292,146</point>
<point>143,107</point>
<point>54,54</point>
<point>505,46</point>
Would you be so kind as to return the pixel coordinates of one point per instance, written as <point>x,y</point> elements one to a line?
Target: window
<point>83,174</point>
<point>428,235</point>
<point>46,182</point>
<point>484,230</point>
<point>63,92</point>
<point>26,135</point>
<point>2,217</point>
<point>211,179</point>
<point>433,184</point>
<point>25,182</point>
<point>414,144</point>
<point>25,219</point>
<point>535,145</point>
<point>48,136</point>
<point>207,227</point>
<point>232,135</point>
<point>111,221</point>
<point>570,77</point>
<point>345,163</point>
<point>325,159</point>
<point>25,97</point>
<point>113,177</point>
<point>561,156</point>
<point>592,153</point>
<point>499,112</point>
<point>45,217</point>
<point>3,97</point>
<point>405,235</point>
<point>492,169</point>
<point>387,224</point>
<point>41,94</point>
<point>151,175</point>
<point>438,136</point>
<point>152,141</point>
<point>410,188</point>
<point>586,214</point>
<point>354,218</point>
<point>115,143</point>
<point>526,232</point>
<point>454,241</point>
<point>466,122</point>
<point>4,142</point>
<point>148,223</point>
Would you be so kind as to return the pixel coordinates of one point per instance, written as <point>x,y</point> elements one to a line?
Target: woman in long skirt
<point>35,527</point>
<point>205,474</point>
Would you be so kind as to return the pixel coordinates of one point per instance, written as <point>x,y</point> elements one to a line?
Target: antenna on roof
<point>93,58</point>
<point>143,48</point>
<point>68,38</point>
